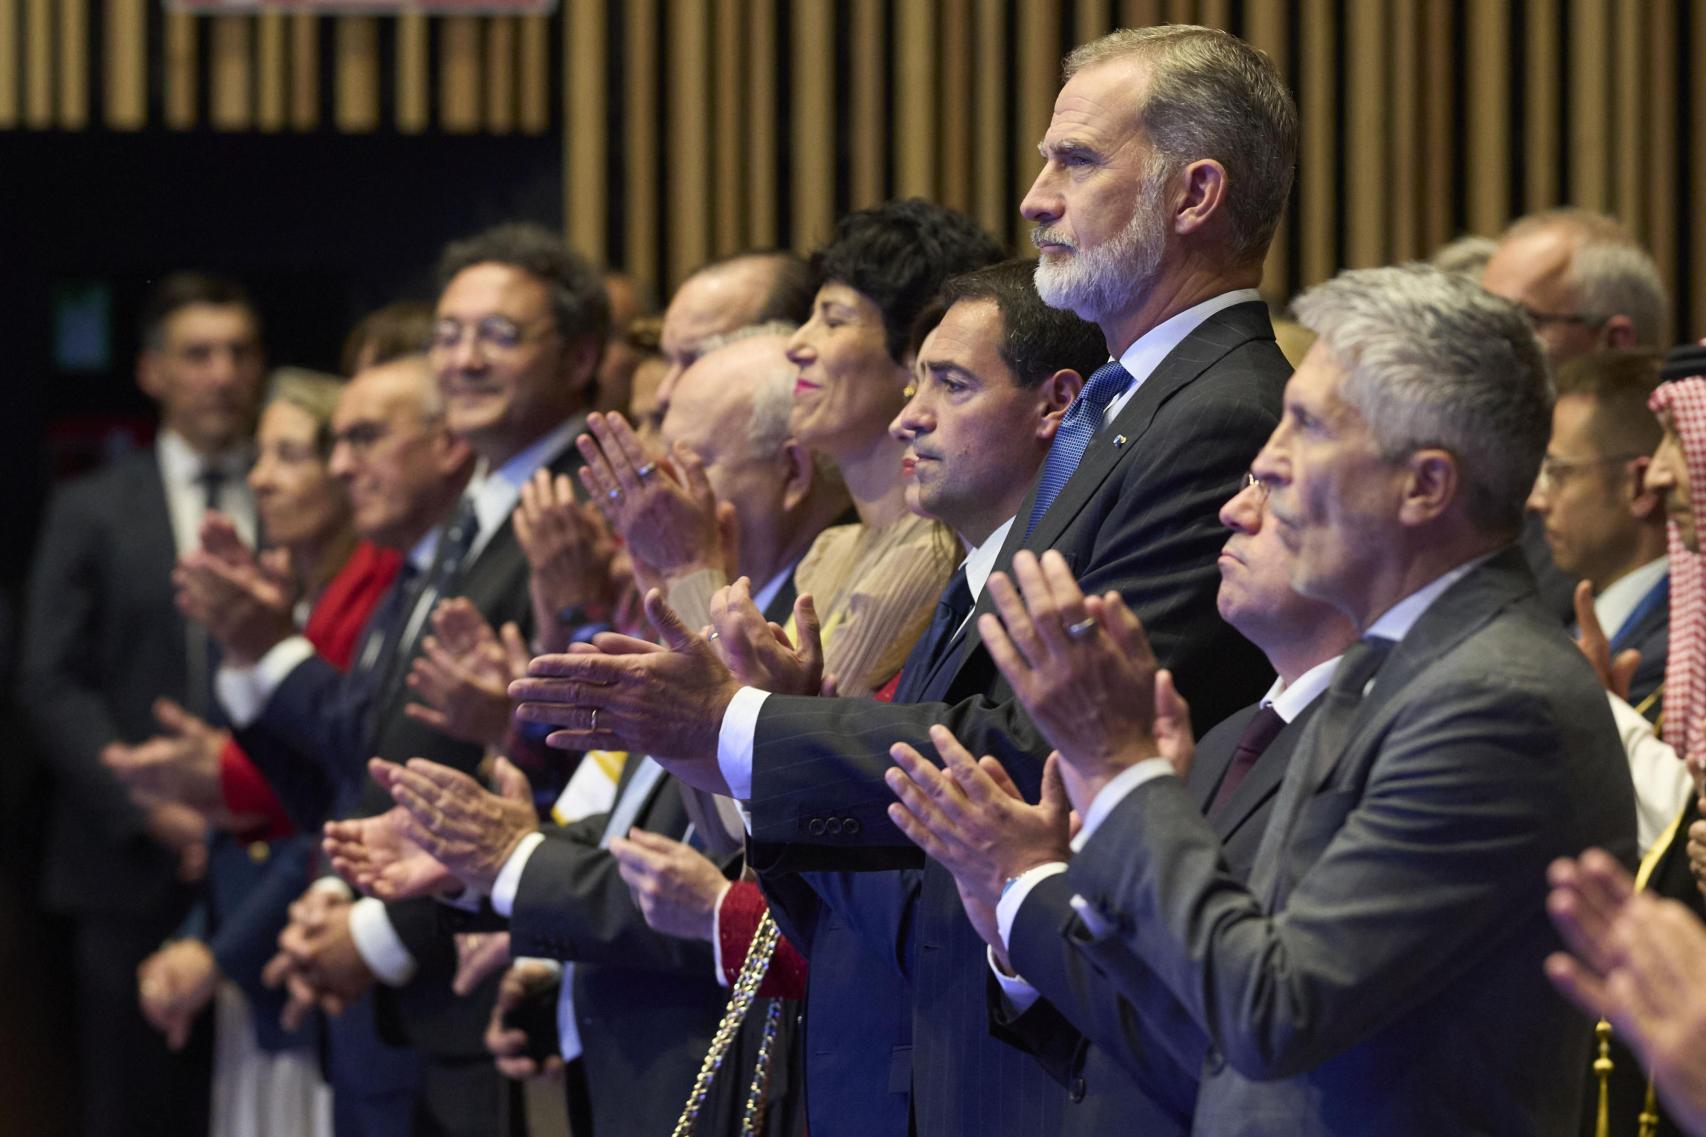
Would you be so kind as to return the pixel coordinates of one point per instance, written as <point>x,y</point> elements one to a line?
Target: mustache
<point>1042,235</point>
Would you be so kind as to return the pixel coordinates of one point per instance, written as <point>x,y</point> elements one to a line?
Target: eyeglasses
<point>492,334</point>
<point>1251,481</point>
<point>1538,319</point>
<point>1553,471</point>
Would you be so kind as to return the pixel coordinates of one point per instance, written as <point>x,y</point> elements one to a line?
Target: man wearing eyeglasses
<point>1602,524</point>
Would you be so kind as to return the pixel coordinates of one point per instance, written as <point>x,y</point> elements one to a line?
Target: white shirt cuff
<point>717,935</point>
<point>734,740</point>
<point>1020,996</point>
<point>1115,792</point>
<point>245,691</point>
<point>509,877</point>
<point>378,943</point>
<point>1007,908</point>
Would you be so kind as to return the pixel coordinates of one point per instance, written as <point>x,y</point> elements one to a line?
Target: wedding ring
<point>712,638</point>
<point>647,470</point>
<point>614,493</point>
<point>1082,628</point>
<point>593,725</point>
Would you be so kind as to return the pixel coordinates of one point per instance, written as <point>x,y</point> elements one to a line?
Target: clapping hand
<point>758,651</point>
<point>1615,673</point>
<point>245,602</point>
<point>675,886</point>
<point>462,675</point>
<point>570,556</point>
<point>377,855</point>
<point>456,821</point>
<point>173,986</point>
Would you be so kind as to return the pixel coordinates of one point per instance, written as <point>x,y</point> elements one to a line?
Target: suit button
<point>1078,1090</point>
<point>834,826</point>
<point>259,851</point>
<point>851,826</point>
<point>1214,1061</point>
<point>815,827</point>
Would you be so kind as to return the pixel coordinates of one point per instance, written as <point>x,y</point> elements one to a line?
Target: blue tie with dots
<point>1077,427</point>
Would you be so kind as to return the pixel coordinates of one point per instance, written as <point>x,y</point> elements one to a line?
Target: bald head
<point>725,295</point>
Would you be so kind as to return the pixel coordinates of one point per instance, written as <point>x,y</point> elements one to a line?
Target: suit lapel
<point>1263,780</point>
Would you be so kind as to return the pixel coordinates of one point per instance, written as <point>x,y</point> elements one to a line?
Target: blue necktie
<point>1077,427</point>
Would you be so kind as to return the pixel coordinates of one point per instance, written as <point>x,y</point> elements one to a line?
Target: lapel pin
<point>1119,441</point>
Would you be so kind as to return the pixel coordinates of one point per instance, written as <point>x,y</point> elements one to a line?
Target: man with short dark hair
<point>102,641</point>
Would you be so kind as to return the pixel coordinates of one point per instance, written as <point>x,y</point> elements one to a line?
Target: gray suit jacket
<point>1381,971</point>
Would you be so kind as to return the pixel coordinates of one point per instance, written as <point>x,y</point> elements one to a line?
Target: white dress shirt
<point>1613,606</point>
<point>186,499</point>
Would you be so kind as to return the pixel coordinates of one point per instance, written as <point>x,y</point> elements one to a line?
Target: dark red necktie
<point>1258,733</point>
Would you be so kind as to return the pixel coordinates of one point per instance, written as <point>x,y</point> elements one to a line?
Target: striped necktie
<point>1077,427</point>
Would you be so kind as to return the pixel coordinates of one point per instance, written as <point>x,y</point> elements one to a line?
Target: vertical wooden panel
<point>1266,29</point>
<point>763,176</point>
<point>180,70</point>
<point>1628,176</point>
<point>868,124</point>
<point>73,75</point>
<point>459,74</point>
<point>995,203</point>
<point>1489,125</point>
<point>1541,110</point>
<point>640,142</point>
<point>1140,13</point>
<point>1590,104</point>
<point>586,185</point>
<point>38,64</point>
<point>1215,13</point>
<point>728,147</point>
<point>535,69</point>
<point>413,111</point>
<point>1439,127</point>
<point>356,96</point>
<point>1404,220</point>
<point>915,173</point>
<point>11,70</point>
<point>1365,147</point>
<point>1038,76</point>
<point>1662,96</point>
<point>955,146</point>
<point>1317,215</point>
<point>124,55</point>
<point>231,105</point>
<point>689,167</point>
<point>1181,11</point>
<point>269,71</point>
<point>1089,21</point>
<point>500,74</point>
<point>813,183</point>
<point>304,71</point>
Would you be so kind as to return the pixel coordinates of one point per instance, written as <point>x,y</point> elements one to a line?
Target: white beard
<point>1113,276</point>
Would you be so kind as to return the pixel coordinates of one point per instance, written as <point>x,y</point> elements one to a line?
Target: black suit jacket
<point>1648,632</point>
<point>102,640</point>
<point>1140,515</point>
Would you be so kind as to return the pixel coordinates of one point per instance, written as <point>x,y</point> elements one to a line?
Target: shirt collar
<point>1290,701</point>
<point>762,598</point>
<point>181,465</point>
<point>1146,354</point>
<point>495,492</point>
<point>420,556</point>
<point>1395,623</point>
<point>1622,596</point>
<point>980,562</point>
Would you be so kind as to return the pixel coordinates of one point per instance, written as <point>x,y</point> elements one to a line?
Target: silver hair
<point>746,332</point>
<point>1610,273</point>
<point>1211,95</point>
<point>1466,256</point>
<point>1434,360</point>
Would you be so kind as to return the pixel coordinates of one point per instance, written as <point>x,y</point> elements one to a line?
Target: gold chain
<point>745,990</point>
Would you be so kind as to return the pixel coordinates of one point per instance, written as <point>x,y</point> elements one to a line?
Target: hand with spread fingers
<point>758,651</point>
<point>1615,673</point>
<point>181,764</point>
<point>456,821</point>
<point>525,980</point>
<point>462,675</point>
<point>620,693</point>
<point>174,985</point>
<point>245,602</point>
<point>969,816</point>
<point>378,856</point>
<point>1081,667</point>
<point>570,557</point>
<point>675,886</point>
<point>663,509</point>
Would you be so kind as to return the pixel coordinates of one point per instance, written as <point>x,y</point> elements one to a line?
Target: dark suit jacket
<point>646,1004</point>
<point>1140,515</point>
<point>1381,971</point>
<point>1089,1041</point>
<point>1648,631</point>
<point>102,640</point>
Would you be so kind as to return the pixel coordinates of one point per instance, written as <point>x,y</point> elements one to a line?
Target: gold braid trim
<point>740,1002</point>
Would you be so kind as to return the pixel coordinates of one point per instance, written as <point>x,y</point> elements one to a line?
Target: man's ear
<point>1204,183</point>
<point>1644,504</point>
<point>1433,486</point>
<point>799,469</point>
<point>1054,395</point>
<point>1618,332</point>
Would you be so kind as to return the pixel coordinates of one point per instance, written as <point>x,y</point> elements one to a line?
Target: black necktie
<point>1258,734</point>
<point>1350,682</point>
<point>211,480</point>
<point>952,607</point>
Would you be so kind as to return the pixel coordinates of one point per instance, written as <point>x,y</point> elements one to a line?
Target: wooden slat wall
<point>758,122</point>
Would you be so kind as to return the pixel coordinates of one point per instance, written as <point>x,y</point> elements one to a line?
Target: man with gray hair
<point>1379,973</point>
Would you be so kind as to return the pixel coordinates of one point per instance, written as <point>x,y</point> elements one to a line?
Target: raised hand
<point>662,508</point>
<point>675,886</point>
<point>460,824</point>
<point>527,979</point>
<point>1081,667</point>
<point>1615,673</point>
<point>244,602</point>
<point>377,855</point>
<point>758,651</point>
<point>180,765</point>
<point>462,675</point>
<point>570,556</point>
<point>620,693</point>
<point>174,985</point>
